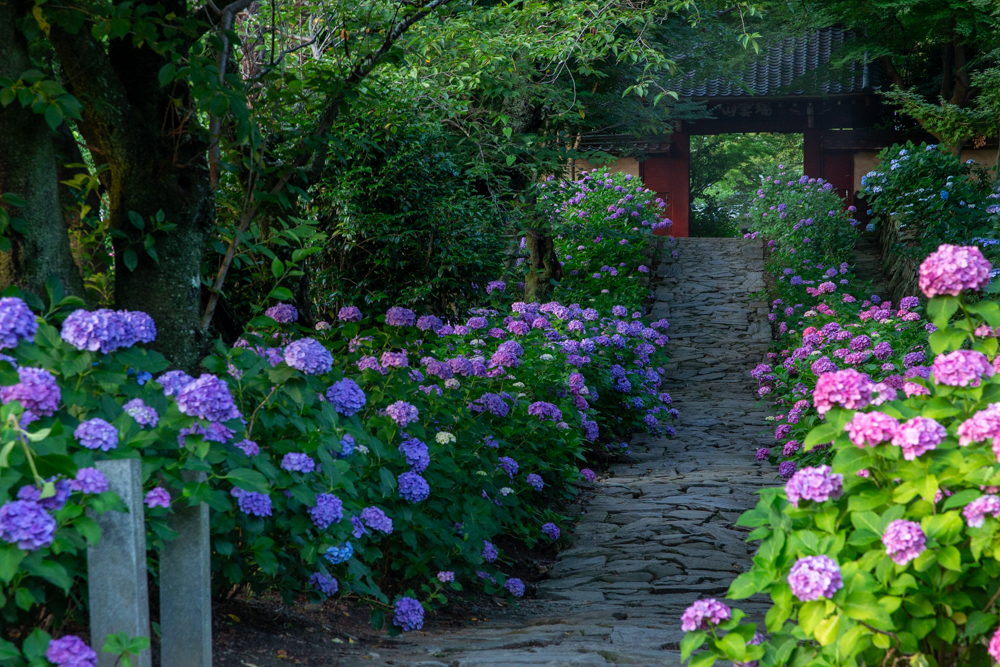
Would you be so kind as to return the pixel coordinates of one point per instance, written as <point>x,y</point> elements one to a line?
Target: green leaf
<point>166,74</point>
<point>511,159</point>
<point>692,642</point>
<point>703,659</point>
<point>131,259</point>
<point>8,651</point>
<point>747,584</point>
<point>53,116</point>
<point>277,268</point>
<point>820,435</point>
<point>136,220</point>
<point>979,623</point>
<point>249,480</point>
<point>280,294</point>
<point>941,308</point>
<point>10,559</point>
<point>988,310</point>
<point>811,614</point>
<point>950,559</point>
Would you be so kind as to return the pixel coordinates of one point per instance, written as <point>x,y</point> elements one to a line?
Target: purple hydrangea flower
<point>328,510</point>
<point>208,398</point>
<point>588,474</point>
<point>815,577</point>
<point>324,583</point>
<point>283,313</point>
<point>408,614</point>
<point>445,577</point>
<point>173,381</point>
<point>412,487</point>
<point>16,322</point>
<point>535,482</point>
<point>90,480</point>
<point>96,434</point>
<point>141,413</point>
<point>786,469</point>
<point>400,317</point>
<point>298,462</point>
<point>309,356</point>
<point>157,497</point>
<point>545,411</point>
<point>508,465</point>
<point>103,330</point>
<point>551,531</point>
<point>904,541</point>
<point>70,651</point>
<point>702,613</point>
<point>763,453</point>
<point>515,587</point>
<point>816,484</point>
<point>256,504</point>
<point>26,524</point>
<point>976,511</point>
<point>346,397</point>
<point>63,488</point>
<point>349,314</point>
<point>249,447</point>
<point>376,519</point>
<point>402,413</point>
<point>490,552</point>
<point>429,322</point>
<point>37,391</point>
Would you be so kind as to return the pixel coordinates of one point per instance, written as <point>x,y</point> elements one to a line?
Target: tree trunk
<point>158,162</point>
<point>544,265</point>
<point>28,168</point>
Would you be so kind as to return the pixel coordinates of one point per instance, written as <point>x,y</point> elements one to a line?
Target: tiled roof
<point>793,66</point>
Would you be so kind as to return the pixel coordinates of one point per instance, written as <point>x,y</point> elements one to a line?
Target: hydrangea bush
<point>880,549</point>
<point>377,456</point>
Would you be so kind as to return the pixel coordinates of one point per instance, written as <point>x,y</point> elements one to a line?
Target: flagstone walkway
<point>660,531</point>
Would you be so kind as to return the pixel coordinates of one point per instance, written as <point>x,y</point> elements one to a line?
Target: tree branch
<point>228,15</point>
<point>316,161</point>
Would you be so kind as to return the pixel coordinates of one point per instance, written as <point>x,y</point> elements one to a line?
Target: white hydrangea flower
<point>452,383</point>
<point>506,491</point>
<point>481,473</point>
<point>519,385</point>
<point>361,449</point>
<point>444,438</point>
<point>546,357</point>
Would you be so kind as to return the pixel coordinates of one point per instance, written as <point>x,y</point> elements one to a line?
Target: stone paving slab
<point>660,531</point>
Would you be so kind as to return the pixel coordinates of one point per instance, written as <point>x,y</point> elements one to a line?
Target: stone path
<point>659,532</point>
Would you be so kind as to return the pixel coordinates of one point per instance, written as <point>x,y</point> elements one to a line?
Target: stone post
<point>116,566</point>
<point>186,587</point>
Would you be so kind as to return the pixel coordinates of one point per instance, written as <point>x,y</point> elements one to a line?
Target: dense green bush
<point>936,198</point>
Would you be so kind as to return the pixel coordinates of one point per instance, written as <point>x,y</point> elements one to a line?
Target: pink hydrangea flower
<point>994,648</point>
<point>914,389</point>
<point>917,436</point>
<point>815,577</point>
<point>847,388</point>
<point>816,484</point>
<point>983,425</point>
<point>871,428</point>
<point>961,368</point>
<point>904,540</point>
<point>704,612</point>
<point>951,269</point>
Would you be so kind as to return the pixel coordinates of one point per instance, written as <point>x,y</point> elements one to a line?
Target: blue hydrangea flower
<point>255,504</point>
<point>338,555</point>
<point>416,453</point>
<point>141,413</point>
<point>173,381</point>
<point>551,531</point>
<point>490,552</point>
<point>90,480</point>
<point>376,519</point>
<point>535,481</point>
<point>515,586</point>
<point>298,462</point>
<point>37,392</point>
<point>347,445</point>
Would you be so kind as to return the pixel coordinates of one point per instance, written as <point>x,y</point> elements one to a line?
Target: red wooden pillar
<point>667,175</point>
<point>838,169</point>
<point>812,153</point>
